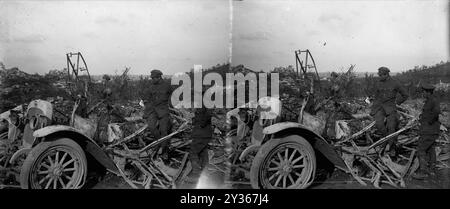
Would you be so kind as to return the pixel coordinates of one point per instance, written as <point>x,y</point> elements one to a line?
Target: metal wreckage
<point>43,147</point>
<point>287,151</point>
<point>41,150</point>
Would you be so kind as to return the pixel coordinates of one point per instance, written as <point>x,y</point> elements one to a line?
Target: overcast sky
<point>174,35</point>
<point>167,35</point>
<point>370,34</point>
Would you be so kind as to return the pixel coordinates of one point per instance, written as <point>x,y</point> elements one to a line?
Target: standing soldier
<point>429,132</point>
<point>201,135</point>
<point>156,112</point>
<point>384,108</point>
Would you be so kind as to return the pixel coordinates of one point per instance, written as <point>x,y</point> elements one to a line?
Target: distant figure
<point>105,117</point>
<point>384,108</point>
<point>82,109</point>
<point>334,108</point>
<point>156,101</point>
<point>335,88</point>
<point>429,132</point>
<point>107,92</point>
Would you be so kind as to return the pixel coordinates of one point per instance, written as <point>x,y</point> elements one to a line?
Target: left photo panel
<point>108,94</point>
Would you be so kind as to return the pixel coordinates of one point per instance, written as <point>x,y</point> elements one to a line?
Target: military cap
<point>155,73</point>
<point>106,77</point>
<point>334,74</point>
<point>383,70</point>
<point>428,87</point>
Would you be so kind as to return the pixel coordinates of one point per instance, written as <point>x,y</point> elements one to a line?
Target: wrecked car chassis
<point>60,156</point>
<point>284,155</point>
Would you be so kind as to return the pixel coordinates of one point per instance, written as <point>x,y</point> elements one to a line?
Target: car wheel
<point>58,164</point>
<point>284,163</point>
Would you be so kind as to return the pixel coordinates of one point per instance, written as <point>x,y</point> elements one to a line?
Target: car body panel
<point>319,144</point>
<point>91,146</point>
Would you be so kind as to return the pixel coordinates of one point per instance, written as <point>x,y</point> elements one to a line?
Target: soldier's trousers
<point>198,155</point>
<point>387,124</point>
<point>425,150</point>
<point>159,126</point>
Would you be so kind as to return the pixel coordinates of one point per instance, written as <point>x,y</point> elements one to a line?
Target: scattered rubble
<point>354,138</point>
<point>129,143</point>
<point>133,148</point>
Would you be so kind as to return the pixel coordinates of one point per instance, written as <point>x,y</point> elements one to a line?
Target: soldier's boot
<point>422,173</point>
<point>432,169</point>
<point>194,175</point>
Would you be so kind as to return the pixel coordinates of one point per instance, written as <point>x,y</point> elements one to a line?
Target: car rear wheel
<point>285,163</point>
<point>58,164</point>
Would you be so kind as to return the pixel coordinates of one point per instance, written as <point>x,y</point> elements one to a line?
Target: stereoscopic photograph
<point>224,94</point>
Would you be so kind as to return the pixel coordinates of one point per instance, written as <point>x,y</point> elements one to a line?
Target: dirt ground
<point>208,180</point>
<point>339,180</point>
<point>345,181</point>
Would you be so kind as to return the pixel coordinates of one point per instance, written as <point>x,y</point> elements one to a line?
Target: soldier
<point>384,108</point>
<point>429,132</point>
<point>156,112</point>
<point>201,135</point>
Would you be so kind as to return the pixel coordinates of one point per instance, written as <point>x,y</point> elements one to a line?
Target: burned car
<point>60,156</point>
<point>280,154</point>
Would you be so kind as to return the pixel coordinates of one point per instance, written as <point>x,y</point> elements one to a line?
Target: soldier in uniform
<point>384,108</point>
<point>429,132</point>
<point>156,112</point>
<point>201,135</point>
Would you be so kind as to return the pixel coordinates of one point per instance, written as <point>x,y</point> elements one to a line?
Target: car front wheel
<point>284,163</point>
<point>58,164</point>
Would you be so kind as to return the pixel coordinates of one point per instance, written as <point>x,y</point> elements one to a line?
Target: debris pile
<point>353,133</point>
<point>366,160</point>
<point>129,143</point>
<point>18,87</point>
<point>136,154</point>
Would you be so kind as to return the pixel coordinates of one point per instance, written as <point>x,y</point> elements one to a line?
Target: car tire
<point>64,163</point>
<point>294,160</point>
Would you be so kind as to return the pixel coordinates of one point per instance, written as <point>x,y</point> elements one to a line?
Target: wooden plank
<point>153,144</point>
<point>410,161</point>
<point>386,138</point>
<point>148,171</point>
<point>126,139</point>
<point>359,133</point>
<point>180,170</point>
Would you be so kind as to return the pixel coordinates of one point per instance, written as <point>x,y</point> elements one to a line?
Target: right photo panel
<point>338,95</point>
